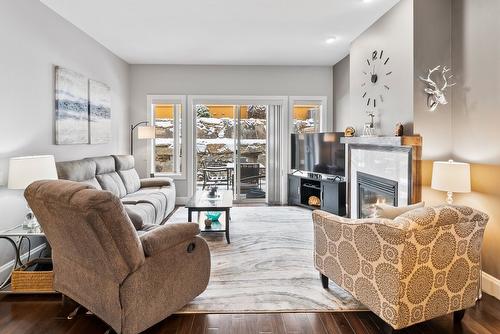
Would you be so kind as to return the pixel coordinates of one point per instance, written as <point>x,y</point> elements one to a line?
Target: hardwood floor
<point>47,315</point>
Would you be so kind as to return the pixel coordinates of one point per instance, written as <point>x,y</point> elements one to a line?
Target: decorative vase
<point>213,215</point>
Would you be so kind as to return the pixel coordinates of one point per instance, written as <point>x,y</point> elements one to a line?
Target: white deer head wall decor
<point>436,94</point>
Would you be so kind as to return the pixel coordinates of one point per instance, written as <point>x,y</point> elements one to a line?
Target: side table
<point>17,236</point>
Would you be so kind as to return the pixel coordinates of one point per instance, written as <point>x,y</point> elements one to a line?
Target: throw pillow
<point>391,212</point>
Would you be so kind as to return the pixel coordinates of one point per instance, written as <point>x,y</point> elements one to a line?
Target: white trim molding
<point>491,285</point>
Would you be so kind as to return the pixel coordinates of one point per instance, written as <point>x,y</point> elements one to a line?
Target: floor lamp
<point>143,132</point>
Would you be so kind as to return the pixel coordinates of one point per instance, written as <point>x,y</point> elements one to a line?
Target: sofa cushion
<point>107,176</point>
<point>79,171</point>
<point>112,182</point>
<point>141,214</point>
<point>167,192</point>
<point>125,168</point>
<point>104,164</point>
<point>157,200</point>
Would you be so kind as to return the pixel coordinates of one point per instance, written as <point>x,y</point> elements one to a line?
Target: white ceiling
<point>224,32</point>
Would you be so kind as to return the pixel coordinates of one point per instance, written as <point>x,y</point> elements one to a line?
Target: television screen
<point>319,153</point>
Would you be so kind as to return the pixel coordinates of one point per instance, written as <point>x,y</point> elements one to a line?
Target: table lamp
<point>143,132</point>
<point>25,170</point>
<point>452,177</point>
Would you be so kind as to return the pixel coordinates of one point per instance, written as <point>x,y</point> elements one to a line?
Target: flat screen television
<point>319,153</point>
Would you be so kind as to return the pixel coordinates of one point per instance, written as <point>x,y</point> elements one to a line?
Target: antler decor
<point>436,95</point>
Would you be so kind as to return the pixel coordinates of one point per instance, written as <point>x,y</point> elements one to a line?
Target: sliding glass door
<point>231,149</point>
<point>251,153</point>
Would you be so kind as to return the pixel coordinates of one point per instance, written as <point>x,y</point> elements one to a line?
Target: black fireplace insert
<point>375,190</point>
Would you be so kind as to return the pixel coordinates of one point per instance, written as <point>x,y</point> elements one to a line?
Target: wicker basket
<point>25,279</point>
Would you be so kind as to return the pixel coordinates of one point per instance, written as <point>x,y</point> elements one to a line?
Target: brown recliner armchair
<point>129,281</point>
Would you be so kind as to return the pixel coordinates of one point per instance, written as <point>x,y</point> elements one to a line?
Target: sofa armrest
<point>167,236</point>
<point>154,182</point>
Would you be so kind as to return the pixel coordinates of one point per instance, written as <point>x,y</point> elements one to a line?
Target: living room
<point>328,154</point>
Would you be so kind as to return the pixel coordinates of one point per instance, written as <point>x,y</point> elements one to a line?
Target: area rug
<point>268,267</point>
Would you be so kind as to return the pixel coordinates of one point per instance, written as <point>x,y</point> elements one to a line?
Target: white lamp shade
<point>146,132</point>
<point>451,176</point>
<point>25,170</point>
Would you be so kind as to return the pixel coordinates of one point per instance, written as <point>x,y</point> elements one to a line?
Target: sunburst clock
<point>376,83</point>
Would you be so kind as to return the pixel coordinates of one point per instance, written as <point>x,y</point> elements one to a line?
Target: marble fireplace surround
<point>393,158</point>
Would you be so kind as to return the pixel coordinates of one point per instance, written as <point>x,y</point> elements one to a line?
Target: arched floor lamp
<point>143,132</point>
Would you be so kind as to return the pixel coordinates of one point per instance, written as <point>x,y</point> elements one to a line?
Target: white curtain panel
<point>275,133</point>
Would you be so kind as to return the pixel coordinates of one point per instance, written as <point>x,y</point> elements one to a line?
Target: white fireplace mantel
<point>392,158</point>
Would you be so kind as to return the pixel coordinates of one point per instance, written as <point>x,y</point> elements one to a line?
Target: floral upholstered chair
<point>421,265</point>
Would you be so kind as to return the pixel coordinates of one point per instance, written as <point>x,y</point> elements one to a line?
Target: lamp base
<point>30,221</point>
<point>449,198</point>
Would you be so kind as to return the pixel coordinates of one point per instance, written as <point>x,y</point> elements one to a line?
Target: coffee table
<point>223,202</point>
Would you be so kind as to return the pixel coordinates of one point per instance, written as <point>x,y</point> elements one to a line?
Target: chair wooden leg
<point>324,281</point>
<point>387,329</point>
<point>458,316</point>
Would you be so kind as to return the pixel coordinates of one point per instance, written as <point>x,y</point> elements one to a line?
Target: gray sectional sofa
<point>148,202</point>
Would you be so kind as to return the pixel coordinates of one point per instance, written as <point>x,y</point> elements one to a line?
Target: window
<point>308,114</point>
<point>306,118</point>
<point>168,149</point>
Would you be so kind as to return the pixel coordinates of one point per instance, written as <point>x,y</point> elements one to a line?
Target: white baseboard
<point>491,285</point>
<point>6,268</point>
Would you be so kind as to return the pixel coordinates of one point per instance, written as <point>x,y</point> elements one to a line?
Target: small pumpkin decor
<point>314,201</point>
<point>349,131</point>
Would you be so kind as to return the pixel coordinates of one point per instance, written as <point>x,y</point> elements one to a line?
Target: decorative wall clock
<point>376,83</point>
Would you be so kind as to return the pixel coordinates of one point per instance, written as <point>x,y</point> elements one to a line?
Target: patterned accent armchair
<point>421,265</point>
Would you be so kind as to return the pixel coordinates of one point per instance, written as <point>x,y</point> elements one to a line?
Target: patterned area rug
<point>268,267</point>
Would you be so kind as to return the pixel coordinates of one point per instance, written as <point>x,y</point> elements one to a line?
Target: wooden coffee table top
<point>201,201</point>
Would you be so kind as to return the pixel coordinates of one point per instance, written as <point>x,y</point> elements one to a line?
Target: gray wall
<point>432,38</point>
<point>392,33</point>
<point>221,80</point>
<point>476,111</point>
<point>341,95</point>
<point>476,98</point>
<point>33,39</point>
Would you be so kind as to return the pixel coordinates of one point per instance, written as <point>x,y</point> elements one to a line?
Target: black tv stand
<point>330,189</point>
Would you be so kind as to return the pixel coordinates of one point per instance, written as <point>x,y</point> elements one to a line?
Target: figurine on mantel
<point>398,130</point>
<point>369,128</point>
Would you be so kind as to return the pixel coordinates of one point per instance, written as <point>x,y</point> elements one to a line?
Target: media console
<point>329,189</point>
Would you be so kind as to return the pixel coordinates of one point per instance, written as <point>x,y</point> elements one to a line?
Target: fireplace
<point>374,190</point>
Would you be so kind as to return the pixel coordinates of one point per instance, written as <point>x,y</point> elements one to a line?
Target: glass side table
<point>17,236</point>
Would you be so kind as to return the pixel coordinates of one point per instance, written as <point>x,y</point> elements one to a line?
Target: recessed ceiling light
<point>330,40</point>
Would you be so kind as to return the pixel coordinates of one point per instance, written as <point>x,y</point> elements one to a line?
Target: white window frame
<point>176,100</point>
<point>324,121</point>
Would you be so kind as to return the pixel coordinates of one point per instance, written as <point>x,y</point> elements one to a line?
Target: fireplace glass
<point>375,190</point>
